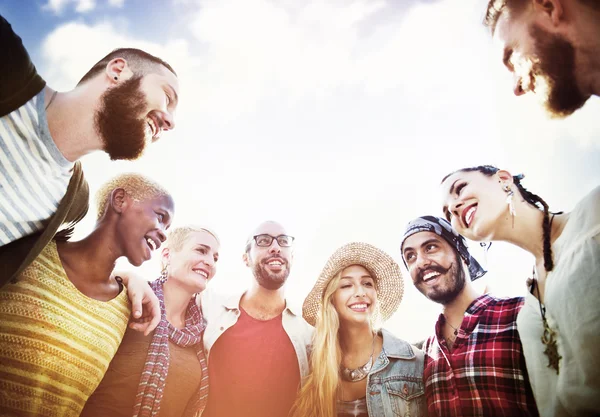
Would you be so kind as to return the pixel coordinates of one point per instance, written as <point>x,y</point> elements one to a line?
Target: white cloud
<point>313,114</point>
<point>81,6</point>
<point>116,3</point>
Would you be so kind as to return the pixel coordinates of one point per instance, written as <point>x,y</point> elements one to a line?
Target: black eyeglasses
<point>284,241</point>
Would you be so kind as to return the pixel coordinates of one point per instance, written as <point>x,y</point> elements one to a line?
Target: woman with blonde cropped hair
<point>356,369</point>
<point>165,374</point>
<point>63,318</point>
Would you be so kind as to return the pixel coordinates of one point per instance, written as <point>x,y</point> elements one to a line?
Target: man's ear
<point>117,70</point>
<point>246,259</point>
<point>119,200</point>
<point>551,9</point>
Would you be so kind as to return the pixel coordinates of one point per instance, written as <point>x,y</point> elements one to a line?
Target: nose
<point>209,260</point>
<point>161,235</point>
<point>454,206</point>
<point>518,85</point>
<point>274,248</point>
<point>168,121</point>
<point>360,292</point>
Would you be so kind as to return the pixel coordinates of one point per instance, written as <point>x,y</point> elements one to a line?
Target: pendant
<point>551,348</point>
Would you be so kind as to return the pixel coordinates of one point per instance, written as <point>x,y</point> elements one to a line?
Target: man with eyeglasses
<point>256,342</point>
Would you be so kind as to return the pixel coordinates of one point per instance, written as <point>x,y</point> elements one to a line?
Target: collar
<point>471,316</point>
<point>232,302</point>
<point>396,348</point>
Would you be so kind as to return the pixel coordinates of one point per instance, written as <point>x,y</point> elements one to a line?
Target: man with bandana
<point>474,363</point>
<point>256,341</point>
<point>123,103</point>
<point>552,47</point>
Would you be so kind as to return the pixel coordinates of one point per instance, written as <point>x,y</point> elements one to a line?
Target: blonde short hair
<point>177,236</point>
<point>137,186</point>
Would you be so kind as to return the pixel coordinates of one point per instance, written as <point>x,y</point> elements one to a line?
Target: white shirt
<point>572,300</point>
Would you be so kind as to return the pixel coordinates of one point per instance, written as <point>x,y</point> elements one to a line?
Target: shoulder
<point>508,307</point>
<point>399,348</point>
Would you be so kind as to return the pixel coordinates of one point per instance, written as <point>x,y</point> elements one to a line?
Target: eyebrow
<point>362,276</point>
<point>427,242</point>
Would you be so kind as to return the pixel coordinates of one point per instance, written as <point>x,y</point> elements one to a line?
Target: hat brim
<point>389,282</point>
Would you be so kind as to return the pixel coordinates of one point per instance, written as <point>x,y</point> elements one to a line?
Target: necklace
<point>455,328</point>
<point>360,373</point>
<point>51,100</point>
<point>549,336</point>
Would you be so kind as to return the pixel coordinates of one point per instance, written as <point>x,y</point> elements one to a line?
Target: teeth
<point>358,306</point>
<point>430,275</point>
<point>200,272</point>
<point>469,215</point>
<point>277,263</point>
<point>151,243</point>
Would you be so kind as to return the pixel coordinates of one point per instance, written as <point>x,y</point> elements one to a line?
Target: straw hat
<point>385,271</point>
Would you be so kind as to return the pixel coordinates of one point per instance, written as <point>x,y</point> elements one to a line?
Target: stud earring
<point>509,200</point>
<point>116,78</point>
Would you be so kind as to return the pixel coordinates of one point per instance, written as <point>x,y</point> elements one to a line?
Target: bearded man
<point>552,47</point>
<point>474,363</point>
<point>123,103</point>
<point>256,342</point>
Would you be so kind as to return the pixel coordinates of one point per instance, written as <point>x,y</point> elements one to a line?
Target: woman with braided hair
<point>165,373</point>
<point>559,323</point>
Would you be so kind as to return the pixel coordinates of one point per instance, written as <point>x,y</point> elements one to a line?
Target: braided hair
<point>531,198</point>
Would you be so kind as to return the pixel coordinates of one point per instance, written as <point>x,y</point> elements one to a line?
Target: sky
<point>336,118</point>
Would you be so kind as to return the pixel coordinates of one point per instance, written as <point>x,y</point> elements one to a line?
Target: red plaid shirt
<point>484,374</point>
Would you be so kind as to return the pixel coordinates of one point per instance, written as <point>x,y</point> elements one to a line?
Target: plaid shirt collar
<point>471,317</point>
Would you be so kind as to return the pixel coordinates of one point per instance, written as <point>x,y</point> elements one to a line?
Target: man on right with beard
<point>474,363</point>
<point>256,341</point>
<point>552,47</point>
<point>123,103</point>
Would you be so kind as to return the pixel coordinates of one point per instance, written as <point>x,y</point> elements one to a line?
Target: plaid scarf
<point>154,375</point>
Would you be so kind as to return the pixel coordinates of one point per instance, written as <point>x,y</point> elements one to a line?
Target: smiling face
<point>475,203</point>
<point>194,263</point>
<point>355,298</point>
<point>270,264</point>
<point>542,63</point>
<point>435,267</point>
<point>142,226</point>
<point>135,112</point>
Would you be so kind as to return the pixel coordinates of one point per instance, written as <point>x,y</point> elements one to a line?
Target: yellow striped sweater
<point>55,342</point>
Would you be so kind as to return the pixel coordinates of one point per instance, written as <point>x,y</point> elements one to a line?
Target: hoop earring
<point>509,201</point>
<point>164,274</point>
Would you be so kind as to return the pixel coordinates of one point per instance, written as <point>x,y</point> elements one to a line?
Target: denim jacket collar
<point>233,303</point>
<point>396,348</point>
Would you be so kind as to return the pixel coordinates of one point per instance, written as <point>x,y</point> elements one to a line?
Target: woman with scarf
<point>356,369</point>
<point>165,373</point>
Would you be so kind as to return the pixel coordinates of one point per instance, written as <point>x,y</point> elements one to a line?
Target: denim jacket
<point>395,384</point>
<point>222,311</point>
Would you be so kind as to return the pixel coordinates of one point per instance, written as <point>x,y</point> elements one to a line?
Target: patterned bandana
<point>152,381</point>
<point>442,228</point>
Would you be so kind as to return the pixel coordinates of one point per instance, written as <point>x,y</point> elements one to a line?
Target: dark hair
<point>531,198</point>
<point>495,8</point>
<point>140,62</point>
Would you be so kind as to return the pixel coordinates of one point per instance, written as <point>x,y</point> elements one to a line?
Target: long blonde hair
<point>319,392</point>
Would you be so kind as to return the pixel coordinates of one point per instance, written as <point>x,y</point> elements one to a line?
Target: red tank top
<point>253,370</point>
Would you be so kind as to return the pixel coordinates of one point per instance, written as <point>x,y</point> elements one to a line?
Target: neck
<point>355,339</point>
<point>264,300</point>
<point>455,310</point>
<point>176,302</point>
<point>84,258</point>
<point>71,121</point>
<point>528,232</point>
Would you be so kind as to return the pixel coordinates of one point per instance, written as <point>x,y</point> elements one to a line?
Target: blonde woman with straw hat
<point>356,369</point>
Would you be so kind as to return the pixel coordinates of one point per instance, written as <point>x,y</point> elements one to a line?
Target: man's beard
<point>267,279</point>
<point>555,66</point>
<point>120,121</point>
<point>456,283</point>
